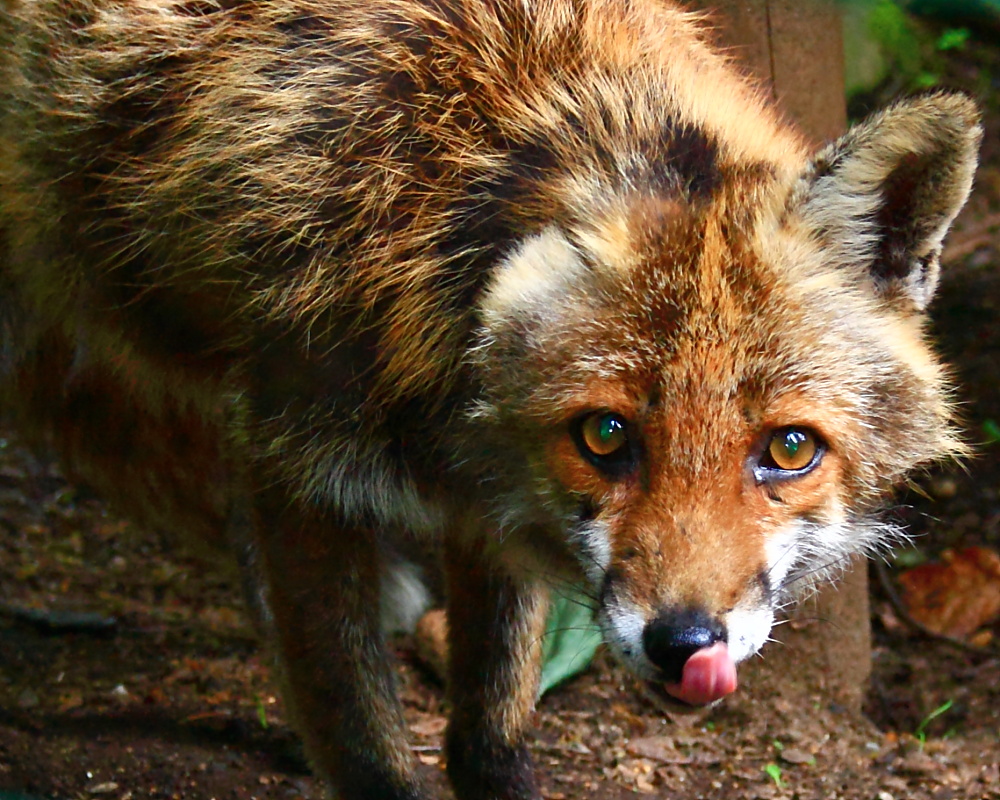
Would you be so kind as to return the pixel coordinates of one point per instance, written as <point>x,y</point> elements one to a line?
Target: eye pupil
<point>610,426</point>
<point>793,440</point>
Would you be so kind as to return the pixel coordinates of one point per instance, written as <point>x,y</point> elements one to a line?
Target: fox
<point>546,287</point>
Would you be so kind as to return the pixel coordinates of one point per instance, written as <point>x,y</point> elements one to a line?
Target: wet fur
<point>319,281</point>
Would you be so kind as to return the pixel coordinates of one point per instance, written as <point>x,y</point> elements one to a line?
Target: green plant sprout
<point>261,713</point>
<point>774,772</point>
<point>920,734</point>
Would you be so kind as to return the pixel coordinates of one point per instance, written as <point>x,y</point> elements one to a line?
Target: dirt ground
<point>140,678</point>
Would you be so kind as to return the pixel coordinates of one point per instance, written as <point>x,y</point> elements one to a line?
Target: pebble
<point>121,694</point>
<point>794,755</point>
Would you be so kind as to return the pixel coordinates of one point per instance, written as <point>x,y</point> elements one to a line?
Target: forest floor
<point>139,678</point>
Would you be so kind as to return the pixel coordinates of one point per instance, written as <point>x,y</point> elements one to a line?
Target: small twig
<point>202,716</point>
<point>57,622</point>
<point>980,233</point>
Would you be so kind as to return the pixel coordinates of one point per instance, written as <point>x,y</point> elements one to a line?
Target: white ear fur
<point>882,197</point>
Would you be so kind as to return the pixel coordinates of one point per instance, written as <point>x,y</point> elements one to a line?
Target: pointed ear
<point>882,197</point>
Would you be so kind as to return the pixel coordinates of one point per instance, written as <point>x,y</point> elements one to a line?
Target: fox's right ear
<point>882,197</point>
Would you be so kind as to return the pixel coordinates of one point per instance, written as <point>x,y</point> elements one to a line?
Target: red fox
<point>544,284</point>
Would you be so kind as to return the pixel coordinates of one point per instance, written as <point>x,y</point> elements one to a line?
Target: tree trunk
<point>795,48</point>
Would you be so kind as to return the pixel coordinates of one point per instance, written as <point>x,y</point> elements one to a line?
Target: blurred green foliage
<point>983,10</point>
<point>884,42</point>
<point>571,639</point>
<point>897,46</point>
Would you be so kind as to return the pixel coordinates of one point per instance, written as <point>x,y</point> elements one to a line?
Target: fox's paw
<point>481,770</point>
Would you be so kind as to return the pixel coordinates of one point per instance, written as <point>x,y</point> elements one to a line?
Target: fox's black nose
<point>673,636</point>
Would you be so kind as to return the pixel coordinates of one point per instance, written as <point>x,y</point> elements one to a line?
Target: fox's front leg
<point>322,583</point>
<point>495,624</point>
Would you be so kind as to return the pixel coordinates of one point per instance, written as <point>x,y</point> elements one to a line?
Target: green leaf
<point>571,639</point>
<point>774,772</point>
<point>953,39</point>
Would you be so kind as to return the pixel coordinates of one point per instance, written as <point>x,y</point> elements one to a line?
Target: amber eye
<point>604,433</point>
<point>792,449</point>
<point>603,439</point>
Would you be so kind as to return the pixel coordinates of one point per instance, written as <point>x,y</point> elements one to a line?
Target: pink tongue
<point>709,674</point>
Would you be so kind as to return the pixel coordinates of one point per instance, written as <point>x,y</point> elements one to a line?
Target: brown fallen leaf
<point>657,748</point>
<point>958,596</point>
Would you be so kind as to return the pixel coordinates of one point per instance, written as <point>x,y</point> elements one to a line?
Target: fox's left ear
<point>882,197</point>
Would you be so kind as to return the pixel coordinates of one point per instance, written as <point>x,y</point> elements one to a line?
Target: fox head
<point>697,390</point>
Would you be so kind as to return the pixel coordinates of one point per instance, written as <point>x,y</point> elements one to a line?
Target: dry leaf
<point>657,748</point>
<point>957,596</point>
